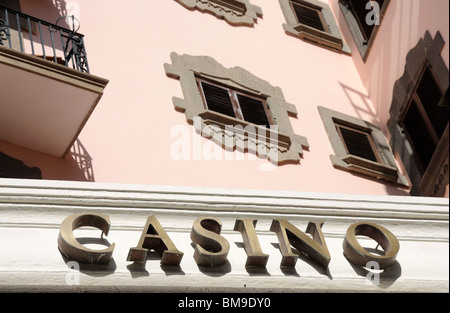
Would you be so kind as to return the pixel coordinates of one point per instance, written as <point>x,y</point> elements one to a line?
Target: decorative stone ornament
<point>235,12</point>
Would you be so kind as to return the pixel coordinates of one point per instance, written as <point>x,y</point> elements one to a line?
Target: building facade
<point>167,124</point>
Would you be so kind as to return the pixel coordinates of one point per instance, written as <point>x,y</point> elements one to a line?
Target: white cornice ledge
<point>126,196</point>
<point>46,203</point>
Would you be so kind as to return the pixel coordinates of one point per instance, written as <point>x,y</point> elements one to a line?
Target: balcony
<point>47,93</point>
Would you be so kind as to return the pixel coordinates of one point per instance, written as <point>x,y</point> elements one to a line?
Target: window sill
<point>316,36</point>
<point>242,128</point>
<point>369,168</point>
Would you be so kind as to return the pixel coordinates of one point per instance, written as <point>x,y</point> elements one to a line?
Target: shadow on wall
<point>18,162</point>
<point>83,160</point>
<point>361,103</point>
<point>54,9</point>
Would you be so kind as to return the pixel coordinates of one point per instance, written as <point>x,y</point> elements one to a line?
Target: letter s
<point>211,249</point>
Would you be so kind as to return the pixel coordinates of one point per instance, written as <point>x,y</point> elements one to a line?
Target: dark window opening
<point>13,168</point>
<point>233,5</point>
<point>234,103</point>
<point>425,120</point>
<point>11,4</point>
<point>309,16</point>
<point>430,95</point>
<point>357,142</point>
<point>218,99</point>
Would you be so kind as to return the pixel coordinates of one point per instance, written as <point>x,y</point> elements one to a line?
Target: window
<point>364,18</point>
<point>235,12</point>
<point>309,16</point>
<point>424,120</point>
<point>360,147</point>
<point>233,97</point>
<point>358,142</point>
<point>418,122</point>
<point>233,103</point>
<point>313,21</point>
<point>13,168</point>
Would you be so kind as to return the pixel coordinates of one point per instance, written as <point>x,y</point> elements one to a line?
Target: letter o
<point>360,256</point>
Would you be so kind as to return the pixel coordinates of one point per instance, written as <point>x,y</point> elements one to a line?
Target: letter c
<point>71,248</point>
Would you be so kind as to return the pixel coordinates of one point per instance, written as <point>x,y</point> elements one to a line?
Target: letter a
<point>155,238</point>
<point>373,17</point>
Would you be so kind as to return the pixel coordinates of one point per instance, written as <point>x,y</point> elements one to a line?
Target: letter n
<point>316,248</point>
<point>155,238</point>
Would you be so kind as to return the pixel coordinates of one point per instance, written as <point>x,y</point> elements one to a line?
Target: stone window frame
<point>363,46</point>
<point>187,69</point>
<point>433,182</point>
<point>331,39</point>
<point>385,169</point>
<point>220,9</point>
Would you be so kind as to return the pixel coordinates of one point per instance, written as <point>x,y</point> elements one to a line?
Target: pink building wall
<point>128,137</point>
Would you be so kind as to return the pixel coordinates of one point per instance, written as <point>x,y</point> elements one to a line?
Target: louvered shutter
<point>218,99</point>
<point>308,16</point>
<point>253,110</point>
<point>358,144</point>
<point>232,4</point>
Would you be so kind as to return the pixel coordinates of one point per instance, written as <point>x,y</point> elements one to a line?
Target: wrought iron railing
<point>42,39</point>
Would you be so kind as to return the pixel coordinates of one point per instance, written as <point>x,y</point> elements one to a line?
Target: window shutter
<point>218,99</point>
<point>419,135</point>
<point>308,16</point>
<point>430,94</point>
<point>253,110</point>
<point>233,5</point>
<point>358,144</point>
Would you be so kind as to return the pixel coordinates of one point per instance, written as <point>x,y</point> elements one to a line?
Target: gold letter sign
<point>316,249</point>
<point>360,256</point>
<point>255,256</point>
<point>71,248</point>
<point>154,237</point>
<point>211,249</point>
